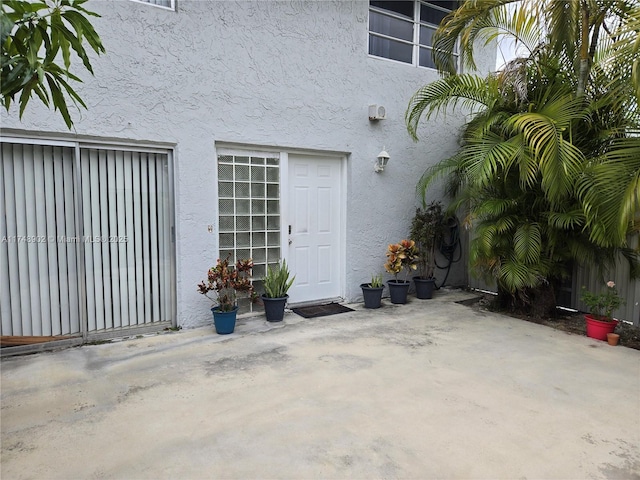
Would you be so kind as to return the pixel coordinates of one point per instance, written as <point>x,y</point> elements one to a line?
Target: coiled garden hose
<point>448,246</point>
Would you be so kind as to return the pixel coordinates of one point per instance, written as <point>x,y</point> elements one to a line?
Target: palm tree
<point>549,134</point>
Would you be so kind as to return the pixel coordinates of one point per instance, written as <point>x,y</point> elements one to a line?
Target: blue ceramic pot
<point>225,322</point>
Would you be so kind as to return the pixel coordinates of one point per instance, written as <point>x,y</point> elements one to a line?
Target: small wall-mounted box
<point>377,112</point>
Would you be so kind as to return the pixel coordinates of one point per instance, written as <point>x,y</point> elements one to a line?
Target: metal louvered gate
<point>86,245</point>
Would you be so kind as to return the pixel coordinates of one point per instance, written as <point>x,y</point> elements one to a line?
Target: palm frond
<point>443,168</point>
<point>567,220</point>
<point>610,192</point>
<point>468,91</point>
<point>481,20</point>
<point>559,161</point>
<point>627,44</point>
<point>527,243</point>
<point>564,26</point>
<point>515,275</point>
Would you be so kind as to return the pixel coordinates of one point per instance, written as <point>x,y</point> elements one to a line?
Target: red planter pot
<point>598,329</point>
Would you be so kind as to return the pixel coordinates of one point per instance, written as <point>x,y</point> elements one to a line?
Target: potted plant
<point>400,256</point>
<point>227,281</point>
<point>427,228</point>
<point>372,292</point>
<point>601,322</point>
<point>276,285</point>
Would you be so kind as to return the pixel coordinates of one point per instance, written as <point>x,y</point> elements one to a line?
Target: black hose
<point>448,247</point>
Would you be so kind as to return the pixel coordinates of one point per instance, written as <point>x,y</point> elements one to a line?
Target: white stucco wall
<point>282,74</point>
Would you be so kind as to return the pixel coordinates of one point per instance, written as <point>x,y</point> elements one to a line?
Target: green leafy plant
<point>376,281</point>
<point>33,34</point>
<point>277,282</point>
<point>427,228</point>
<point>548,172</point>
<point>602,305</point>
<point>401,256</point>
<point>227,281</point>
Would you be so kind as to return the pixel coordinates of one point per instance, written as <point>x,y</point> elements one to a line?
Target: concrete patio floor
<point>431,389</point>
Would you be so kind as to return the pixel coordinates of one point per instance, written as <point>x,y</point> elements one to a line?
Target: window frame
<point>148,2</point>
<point>417,24</point>
<point>273,162</point>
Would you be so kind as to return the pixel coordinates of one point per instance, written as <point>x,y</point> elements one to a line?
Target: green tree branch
<point>33,36</point>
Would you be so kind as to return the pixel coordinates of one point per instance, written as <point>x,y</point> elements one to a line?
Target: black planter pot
<point>274,307</point>
<point>398,290</point>
<point>424,287</point>
<point>372,295</point>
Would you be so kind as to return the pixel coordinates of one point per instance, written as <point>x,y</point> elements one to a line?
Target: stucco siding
<point>285,75</point>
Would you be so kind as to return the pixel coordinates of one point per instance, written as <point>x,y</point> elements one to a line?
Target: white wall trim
<point>343,236</point>
<point>37,141</point>
<point>271,149</point>
<point>246,152</point>
<point>284,206</point>
<point>90,141</point>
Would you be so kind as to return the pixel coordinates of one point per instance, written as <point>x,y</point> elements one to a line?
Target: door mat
<point>321,310</point>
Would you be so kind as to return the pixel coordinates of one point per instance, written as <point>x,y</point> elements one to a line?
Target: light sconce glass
<point>381,161</point>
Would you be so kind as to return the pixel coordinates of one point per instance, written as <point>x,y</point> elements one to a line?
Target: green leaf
<point>64,46</point>
<point>24,98</point>
<point>59,102</point>
<point>42,93</point>
<point>84,28</point>
<point>16,79</point>
<point>71,92</point>
<point>277,281</point>
<point>34,46</point>
<point>6,26</point>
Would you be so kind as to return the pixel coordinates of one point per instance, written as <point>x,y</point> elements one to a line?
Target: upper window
<point>170,4</point>
<point>402,30</point>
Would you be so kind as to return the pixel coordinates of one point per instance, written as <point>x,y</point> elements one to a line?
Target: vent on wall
<point>377,112</point>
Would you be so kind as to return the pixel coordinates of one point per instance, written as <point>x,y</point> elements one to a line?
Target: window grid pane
<point>257,190</point>
<point>226,223</point>
<point>249,211</point>
<point>432,15</point>
<point>390,26</point>
<point>403,8</point>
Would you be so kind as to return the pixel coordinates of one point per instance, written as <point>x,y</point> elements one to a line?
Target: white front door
<point>315,222</point>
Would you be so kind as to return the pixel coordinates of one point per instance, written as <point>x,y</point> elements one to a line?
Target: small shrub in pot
<point>277,283</point>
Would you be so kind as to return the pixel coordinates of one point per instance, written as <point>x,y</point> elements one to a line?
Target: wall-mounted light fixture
<point>381,161</point>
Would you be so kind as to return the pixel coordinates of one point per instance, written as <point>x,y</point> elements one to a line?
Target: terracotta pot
<point>598,329</point>
<point>613,339</point>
